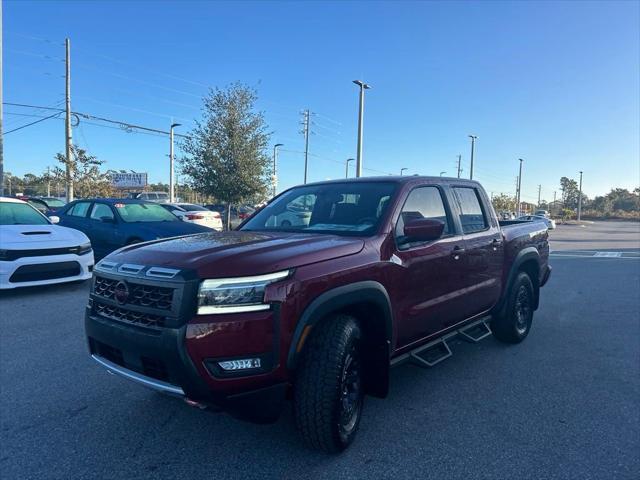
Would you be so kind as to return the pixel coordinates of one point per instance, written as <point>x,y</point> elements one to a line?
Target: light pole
<point>442,173</point>
<point>580,197</point>
<point>473,147</point>
<point>172,197</point>
<point>519,185</point>
<point>275,166</point>
<point>402,170</point>
<point>346,172</point>
<point>363,86</point>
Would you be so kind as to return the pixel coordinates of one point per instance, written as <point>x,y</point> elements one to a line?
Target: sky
<point>554,83</point>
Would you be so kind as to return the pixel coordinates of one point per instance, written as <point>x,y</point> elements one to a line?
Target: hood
<point>25,237</point>
<point>239,253</point>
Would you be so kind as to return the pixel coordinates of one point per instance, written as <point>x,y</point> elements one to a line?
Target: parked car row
<point>114,223</point>
<point>238,214</point>
<point>44,240</point>
<point>189,212</point>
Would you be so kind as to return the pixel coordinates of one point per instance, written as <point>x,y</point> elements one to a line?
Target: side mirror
<point>54,219</point>
<point>107,219</point>
<point>423,229</point>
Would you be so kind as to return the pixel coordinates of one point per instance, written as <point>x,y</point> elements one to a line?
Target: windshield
<point>144,212</point>
<point>54,202</point>
<point>336,208</point>
<point>20,214</point>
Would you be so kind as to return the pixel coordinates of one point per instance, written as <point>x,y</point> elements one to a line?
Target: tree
<point>503,203</point>
<point>88,180</point>
<point>226,153</point>
<point>570,192</point>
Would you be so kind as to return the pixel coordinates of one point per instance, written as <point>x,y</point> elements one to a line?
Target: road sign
<point>129,180</point>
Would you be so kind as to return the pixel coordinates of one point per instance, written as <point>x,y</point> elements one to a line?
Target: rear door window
<point>100,211</point>
<point>80,209</point>
<point>472,217</point>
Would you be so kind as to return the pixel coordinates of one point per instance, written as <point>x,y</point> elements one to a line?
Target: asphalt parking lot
<point>564,404</point>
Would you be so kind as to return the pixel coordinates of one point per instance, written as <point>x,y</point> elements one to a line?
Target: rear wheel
<point>328,392</point>
<point>514,323</point>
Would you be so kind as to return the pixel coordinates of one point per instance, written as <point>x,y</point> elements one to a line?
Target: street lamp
<point>346,173</point>
<point>442,173</point>
<point>402,170</point>
<point>275,166</point>
<point>580,198</point>
<point>172,197</point>
<point>519,186</point>
<point>363,86</point>
<point>473,145</point>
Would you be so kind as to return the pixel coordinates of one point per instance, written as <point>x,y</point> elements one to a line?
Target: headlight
<point>234,295</point>
<point>84,248</point>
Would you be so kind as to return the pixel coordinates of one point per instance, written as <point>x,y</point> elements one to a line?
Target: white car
<point>550,223</point>
<point>35,251</point>
<point>198,214</point>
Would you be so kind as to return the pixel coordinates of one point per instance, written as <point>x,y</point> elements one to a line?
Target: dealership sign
<point>128,180</point>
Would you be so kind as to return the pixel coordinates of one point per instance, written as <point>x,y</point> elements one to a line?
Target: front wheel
<point>513,325</point>
<point>328,391</point>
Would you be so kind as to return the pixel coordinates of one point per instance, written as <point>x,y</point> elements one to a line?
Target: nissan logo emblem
<point>121,292</point>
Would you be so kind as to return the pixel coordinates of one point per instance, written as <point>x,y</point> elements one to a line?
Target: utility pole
<point>346,173</point>
<point>459,161</point>
<point>275,166</point>
<point>519,185</point>
<point>363,86</point>
<point>305,131</point>
<point>1,113</point>
<point>539,190</point>
<point>172,193</point>
<point>67,139</point>
<point>473,147</point>
<point>48,181</point>
<point>580,197</point>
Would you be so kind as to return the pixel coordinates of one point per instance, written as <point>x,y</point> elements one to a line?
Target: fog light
<point>244,364</point>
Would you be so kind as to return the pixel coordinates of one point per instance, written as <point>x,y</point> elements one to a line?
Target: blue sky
<point>555,83</point>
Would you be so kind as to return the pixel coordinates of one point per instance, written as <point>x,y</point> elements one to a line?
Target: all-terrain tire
<point>513,324</point>
<point>328,390</point>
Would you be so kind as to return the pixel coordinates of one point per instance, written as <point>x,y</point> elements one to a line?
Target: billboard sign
<point>129,180</point>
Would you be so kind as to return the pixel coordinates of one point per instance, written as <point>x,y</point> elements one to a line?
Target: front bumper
<point>79,267</point>
<point>163,360</point>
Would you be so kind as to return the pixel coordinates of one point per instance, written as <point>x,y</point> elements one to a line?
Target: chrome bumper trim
<point>148,382</point>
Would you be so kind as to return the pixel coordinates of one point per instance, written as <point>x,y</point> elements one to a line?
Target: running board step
<point>438,350</point>
<point>431,354</point>
<point>475,332</point>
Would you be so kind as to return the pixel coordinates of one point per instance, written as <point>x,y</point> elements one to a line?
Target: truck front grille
<point>152,296</point>
<point>129,316</point>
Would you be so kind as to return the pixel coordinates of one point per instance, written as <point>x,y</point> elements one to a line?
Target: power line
<point>121,124</point>
<point>32,123</point>
<point>133,109</point>
<point>32,54</point>
<point>155,72</point>
<point>125,77</point>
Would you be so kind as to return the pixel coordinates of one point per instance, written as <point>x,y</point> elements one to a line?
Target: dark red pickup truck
<point>315,296</point>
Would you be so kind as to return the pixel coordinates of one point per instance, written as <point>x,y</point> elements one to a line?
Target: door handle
<point>457,252</point>
<point>496,243</point>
